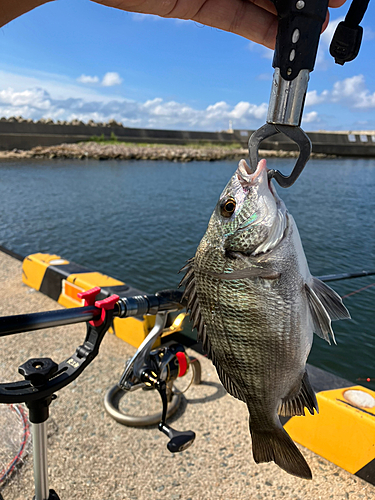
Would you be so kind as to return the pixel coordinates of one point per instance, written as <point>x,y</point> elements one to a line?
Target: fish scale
<point>255,306</point>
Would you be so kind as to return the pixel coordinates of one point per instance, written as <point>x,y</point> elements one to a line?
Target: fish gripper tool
<point>294,133</point>
<point>299,29</point>
<point>300,25</point>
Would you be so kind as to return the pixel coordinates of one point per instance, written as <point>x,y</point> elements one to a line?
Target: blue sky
<point>76,59</point>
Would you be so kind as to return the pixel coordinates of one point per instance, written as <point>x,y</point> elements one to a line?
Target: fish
<point>255,306</point>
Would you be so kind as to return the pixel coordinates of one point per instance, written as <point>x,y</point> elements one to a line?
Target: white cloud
<point>351,93</point>
<point>310,117</point>
<point>111,78</point>
<point>328,33</point>
<point>312,97</point>
<point>38,97</point>
<point>60,98</point>
<point>38,103</point>
<point>60,86</point>
<point>323,56</point>
<point>87,79</point>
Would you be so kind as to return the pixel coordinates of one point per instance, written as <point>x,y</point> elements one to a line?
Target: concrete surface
<point>93,457</point>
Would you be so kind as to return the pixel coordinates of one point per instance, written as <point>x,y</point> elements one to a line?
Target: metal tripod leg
<point>39,435</point>
<point>38,416</point>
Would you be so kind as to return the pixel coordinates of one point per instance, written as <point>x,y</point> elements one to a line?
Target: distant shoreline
<point>117,151</point>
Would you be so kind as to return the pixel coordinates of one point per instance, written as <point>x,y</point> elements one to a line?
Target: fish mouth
<point>261,178</point>
<point>261,174</point>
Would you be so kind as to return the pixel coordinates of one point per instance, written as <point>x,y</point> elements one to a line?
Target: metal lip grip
<point>300,25</point>
<point>287,99</point>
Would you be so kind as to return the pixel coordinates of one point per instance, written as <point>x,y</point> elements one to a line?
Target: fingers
<point>255,20</point>
<point>9,9</point>
<point>265,4</point>
<point>246,19</point>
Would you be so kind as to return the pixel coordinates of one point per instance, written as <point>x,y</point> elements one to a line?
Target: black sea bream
<point>255,306</point>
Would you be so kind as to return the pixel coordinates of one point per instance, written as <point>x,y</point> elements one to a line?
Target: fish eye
<point>228,207</point>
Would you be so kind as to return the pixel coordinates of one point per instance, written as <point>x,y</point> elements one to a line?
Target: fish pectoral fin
<point>276,445</point>
<point>246,273</point>
<point>330,299</point>
<point>320,317</point>
<point>295,405</point>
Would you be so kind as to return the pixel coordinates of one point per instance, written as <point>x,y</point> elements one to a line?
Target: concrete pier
<point>92,457</point>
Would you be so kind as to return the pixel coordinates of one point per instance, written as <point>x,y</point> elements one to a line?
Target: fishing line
<point>6,472</point>
<point>357,291</point>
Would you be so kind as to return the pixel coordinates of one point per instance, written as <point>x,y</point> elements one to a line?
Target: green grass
<point>101,138</point>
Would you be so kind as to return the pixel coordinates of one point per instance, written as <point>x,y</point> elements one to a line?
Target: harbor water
<point>139,221</point>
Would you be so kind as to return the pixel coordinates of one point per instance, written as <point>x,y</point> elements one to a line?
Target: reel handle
<point>178,440</point>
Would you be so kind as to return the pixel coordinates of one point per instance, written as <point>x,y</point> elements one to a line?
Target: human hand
<point>252,19</point>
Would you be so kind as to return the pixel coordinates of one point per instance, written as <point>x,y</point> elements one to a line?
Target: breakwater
<point>18,133</point>
<point>118,151</point>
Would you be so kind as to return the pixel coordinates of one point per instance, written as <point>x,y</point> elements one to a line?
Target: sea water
<point>139,221</point>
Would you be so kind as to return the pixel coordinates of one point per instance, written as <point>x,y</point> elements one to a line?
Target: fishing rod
<point>345,276</point>
<point>43,377</point>
<point>123,308</point>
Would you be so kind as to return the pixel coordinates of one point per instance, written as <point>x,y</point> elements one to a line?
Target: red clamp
<point>89,296</point>
<point>105,304</point>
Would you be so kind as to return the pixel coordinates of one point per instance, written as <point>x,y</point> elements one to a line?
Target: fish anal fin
<point>295,405</point>
<point>330,299</point>
<point>320,317</point>
<point>276,445</point>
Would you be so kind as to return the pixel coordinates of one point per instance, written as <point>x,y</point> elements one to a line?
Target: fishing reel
<point>156,368</point>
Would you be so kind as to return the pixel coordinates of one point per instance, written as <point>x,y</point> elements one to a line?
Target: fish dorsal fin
<point>305,399</point>
<point>192,305</point>
<point>196,317</point>
<point>325,305</point>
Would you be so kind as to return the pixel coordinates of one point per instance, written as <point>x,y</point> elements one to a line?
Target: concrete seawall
<point>26,135</point>
<point>92,456</point>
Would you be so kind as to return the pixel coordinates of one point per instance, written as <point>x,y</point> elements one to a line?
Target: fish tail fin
<point>277,446</point>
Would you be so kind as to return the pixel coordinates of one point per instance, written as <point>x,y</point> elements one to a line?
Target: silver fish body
<point>255,306</point>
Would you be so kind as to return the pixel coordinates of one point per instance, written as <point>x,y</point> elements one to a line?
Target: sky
<point>75,59</point>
